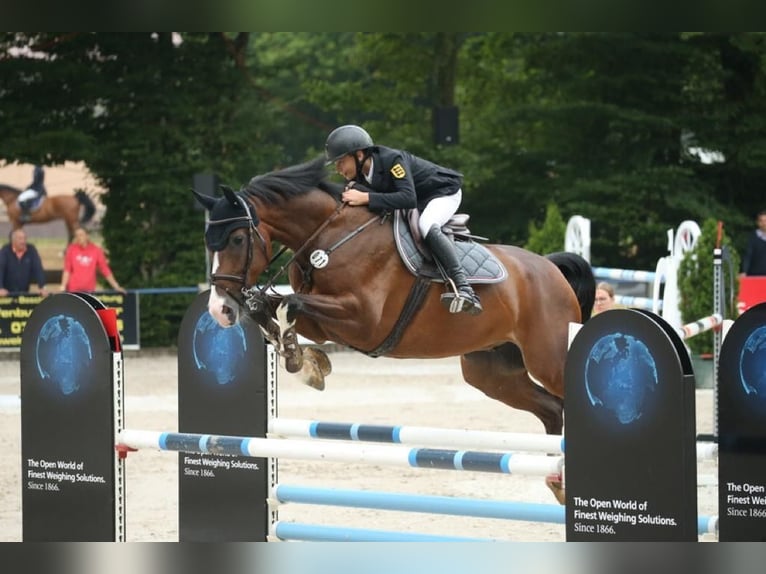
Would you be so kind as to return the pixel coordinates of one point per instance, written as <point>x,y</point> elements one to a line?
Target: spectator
<point>81,262</point>
<point>604,297</point>
<point>754,261</point>
<point>20,265</point>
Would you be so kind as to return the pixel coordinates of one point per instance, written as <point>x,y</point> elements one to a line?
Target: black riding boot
<point>24,215</point>
<point>443,250</point>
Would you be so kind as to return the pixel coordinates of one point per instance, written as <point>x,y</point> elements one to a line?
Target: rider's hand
<point>355,197</point>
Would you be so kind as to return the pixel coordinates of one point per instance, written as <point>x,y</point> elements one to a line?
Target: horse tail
<point>89,208</point>
<point>579,273</point>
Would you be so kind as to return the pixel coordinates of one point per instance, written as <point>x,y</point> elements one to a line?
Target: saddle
<point>481,266</point>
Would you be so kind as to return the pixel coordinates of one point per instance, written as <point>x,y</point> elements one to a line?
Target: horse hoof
<point>321,359</point>
<point>312,374</point>
<point>293,364</point>
<point>316,381</point>
<point>556,485</point>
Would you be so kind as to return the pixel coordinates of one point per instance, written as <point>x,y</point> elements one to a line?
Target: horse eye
<point>237,240</point>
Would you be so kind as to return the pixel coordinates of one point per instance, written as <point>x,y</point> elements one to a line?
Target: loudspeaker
<point>446,125</point>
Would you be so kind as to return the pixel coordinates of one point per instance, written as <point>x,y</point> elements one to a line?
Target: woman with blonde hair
<point>604,297</point>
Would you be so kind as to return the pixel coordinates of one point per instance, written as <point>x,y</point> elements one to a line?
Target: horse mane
<point>292,181</point>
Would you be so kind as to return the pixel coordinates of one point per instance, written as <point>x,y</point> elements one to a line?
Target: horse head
<point>240,252</point>
<point>9,193</point>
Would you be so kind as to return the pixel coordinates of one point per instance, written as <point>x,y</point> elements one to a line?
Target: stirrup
<point>461,302</point>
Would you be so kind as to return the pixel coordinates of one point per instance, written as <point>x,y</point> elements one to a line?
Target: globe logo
<point>620,376</point>
<point>63,353</point>
<point>752,366</point>
<point>218,350</point>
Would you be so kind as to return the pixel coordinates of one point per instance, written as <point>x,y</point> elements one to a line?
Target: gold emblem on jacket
<point>398,171</point>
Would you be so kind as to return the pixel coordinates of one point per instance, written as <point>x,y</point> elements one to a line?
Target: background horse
<point>514,351</point>
<point>66,207</point>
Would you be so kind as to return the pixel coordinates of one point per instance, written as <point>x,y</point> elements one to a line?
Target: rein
<point>351,235</point>
<point>336,212</point>
<point>254,291</point>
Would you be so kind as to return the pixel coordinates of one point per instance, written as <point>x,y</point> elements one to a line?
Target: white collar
<point>368,177</point>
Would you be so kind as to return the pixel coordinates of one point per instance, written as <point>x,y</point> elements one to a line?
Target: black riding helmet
<point>346,140</point>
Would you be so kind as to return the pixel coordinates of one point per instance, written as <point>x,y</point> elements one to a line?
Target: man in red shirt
<point>81,262</point>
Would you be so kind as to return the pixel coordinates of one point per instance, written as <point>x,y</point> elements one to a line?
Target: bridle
<point>252,233</point>
<point>252,296</point>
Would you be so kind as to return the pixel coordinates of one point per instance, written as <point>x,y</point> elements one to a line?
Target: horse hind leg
<point>500,374</point>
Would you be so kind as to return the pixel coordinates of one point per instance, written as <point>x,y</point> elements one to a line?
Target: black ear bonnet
<point>228,213</point>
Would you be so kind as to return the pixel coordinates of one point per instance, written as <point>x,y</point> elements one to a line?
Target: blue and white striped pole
<point>390,455</point>
<point>434,436</point>
<point>414,435</point>
<point>624,274</point>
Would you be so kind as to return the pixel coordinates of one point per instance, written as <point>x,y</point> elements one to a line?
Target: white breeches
<point>438,211</point>
<point>28,194</point>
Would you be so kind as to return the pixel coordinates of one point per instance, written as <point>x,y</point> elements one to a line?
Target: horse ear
<point>229,194</point>
<point>205,200</point>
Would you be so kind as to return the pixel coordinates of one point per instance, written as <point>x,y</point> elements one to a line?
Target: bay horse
<point>357,289</point>
<point>53,207</point>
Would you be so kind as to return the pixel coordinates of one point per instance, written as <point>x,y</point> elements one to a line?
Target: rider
<point>32,194</point>
<point>386,178</point>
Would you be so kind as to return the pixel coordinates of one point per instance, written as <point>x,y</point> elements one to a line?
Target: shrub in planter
<point>695,284</point>
<point>549,237</point>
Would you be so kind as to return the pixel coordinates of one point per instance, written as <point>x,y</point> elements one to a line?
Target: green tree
<point>549,237</point>
<point>145,112</point>
<point>695,283</point>
<point>607,125</point>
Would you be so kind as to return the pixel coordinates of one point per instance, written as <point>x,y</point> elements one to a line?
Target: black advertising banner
<point>742,429</point>
<point>222,389</point>
<point>631,472</point>
<point>67,421</point>
<point>15,311</point>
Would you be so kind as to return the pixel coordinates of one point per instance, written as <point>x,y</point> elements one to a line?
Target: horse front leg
<point>310,363</point>
<point>289,349</point>
<point>275,316</point>
<point>260,308</point>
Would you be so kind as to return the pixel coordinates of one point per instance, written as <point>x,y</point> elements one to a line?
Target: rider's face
<point>346,166</point>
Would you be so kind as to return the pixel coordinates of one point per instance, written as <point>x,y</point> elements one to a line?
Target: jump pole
<point>434,436</point>
<point>386,455</point>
